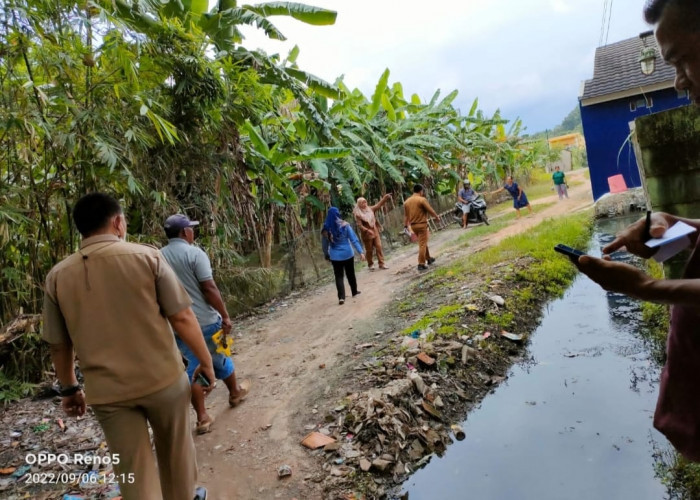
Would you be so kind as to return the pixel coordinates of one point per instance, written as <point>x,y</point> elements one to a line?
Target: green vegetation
<point>681,477</point>
<point>11,390</point>
<point>656,318</point>
<point>523,269</point>
<point>540,190</point>
<point>163,105</point>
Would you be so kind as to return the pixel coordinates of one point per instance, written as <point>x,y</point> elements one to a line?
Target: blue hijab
<point>333,223</point>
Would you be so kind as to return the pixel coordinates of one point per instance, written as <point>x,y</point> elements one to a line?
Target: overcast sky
<point>526,57</point>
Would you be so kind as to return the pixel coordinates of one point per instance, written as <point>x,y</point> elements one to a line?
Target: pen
<point>647,226</point>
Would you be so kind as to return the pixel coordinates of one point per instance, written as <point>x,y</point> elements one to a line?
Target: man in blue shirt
<point>192,267</point>
<point>465,197</point>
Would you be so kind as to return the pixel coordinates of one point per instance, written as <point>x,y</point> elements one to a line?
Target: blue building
<point>630,79</point>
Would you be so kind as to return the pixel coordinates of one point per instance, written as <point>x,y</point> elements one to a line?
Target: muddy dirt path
<point>297,356</point>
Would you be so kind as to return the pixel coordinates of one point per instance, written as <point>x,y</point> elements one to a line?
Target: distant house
<point>566,144</point>
<point>630,79</point>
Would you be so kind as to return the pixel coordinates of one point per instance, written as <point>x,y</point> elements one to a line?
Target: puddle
<point>572,422</point>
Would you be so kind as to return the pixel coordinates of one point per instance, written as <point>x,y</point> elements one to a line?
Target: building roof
<point>574,139</point>
<point>617,70</point>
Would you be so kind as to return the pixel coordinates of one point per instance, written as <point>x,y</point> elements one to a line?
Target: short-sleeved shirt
<point>111,299</point>
<point>192,267</point>
<point>467,194</point>
<point>417,209</point>
<point>558,177</point>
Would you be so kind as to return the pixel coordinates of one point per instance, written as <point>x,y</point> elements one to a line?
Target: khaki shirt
<point>417,209</point>
<point>111,299</point>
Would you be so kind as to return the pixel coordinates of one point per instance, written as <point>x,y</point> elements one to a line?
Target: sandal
<point>204,427</point>
<point>245,389</point>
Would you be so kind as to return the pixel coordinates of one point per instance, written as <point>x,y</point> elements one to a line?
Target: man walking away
<point>192,267</point>
<point>416,210</point>
<point>111,301</point>
<point>560,183</point>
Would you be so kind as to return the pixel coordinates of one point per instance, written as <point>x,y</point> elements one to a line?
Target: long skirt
<point>522,202</point>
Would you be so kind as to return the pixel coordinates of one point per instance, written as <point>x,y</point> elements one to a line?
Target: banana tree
<point>221,24</point>
<point>271,168</point>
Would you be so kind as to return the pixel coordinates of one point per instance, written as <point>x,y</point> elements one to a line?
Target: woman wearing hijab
<point>370,229</point>
<point>519,196</point>
<point>338,240</point>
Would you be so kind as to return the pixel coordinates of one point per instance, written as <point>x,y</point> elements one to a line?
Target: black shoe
<point>200,493</point>
<point>341,302</point>
<point>356,293</point>
<point>431,260</point>
<point>422,267</point>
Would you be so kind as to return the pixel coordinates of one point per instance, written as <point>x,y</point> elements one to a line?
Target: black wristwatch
<point>70,390</point>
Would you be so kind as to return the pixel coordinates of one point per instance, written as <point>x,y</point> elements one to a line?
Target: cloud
<point>526,58</point>
<point>561,6</point>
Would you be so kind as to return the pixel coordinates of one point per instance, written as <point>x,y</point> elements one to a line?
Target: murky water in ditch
<point>574,423</point>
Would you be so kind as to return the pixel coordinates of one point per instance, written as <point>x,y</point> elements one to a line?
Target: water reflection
<point>575,422</point>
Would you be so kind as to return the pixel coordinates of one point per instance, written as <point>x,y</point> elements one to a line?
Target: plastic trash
<point>497,299</point>
<point>222,347</point>
<point>21,471</point>
<point>515,337</point>
<point>458,432</point>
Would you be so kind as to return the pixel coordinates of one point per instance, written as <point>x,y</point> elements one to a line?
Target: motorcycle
<point>477,213</point>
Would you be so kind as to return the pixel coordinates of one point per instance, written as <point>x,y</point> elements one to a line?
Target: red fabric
<point>677,413</point>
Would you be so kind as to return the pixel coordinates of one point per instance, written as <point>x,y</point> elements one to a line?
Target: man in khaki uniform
<point>113,302</point>
<point>416,210</point>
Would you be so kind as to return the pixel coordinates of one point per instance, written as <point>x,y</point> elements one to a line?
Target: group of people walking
<point>115,304</point>
<point>340,242</point>
<point>142,323</point>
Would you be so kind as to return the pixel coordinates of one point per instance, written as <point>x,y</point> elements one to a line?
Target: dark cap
<point>179,221</point>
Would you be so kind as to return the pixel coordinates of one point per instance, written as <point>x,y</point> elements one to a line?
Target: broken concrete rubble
<point>415,386</point>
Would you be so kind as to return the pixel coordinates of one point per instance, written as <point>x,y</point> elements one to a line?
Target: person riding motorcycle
<point>465,197</point>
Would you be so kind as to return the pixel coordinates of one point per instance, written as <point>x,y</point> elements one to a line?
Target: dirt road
<point>282,353</point>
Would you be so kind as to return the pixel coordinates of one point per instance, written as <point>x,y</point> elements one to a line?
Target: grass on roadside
<point>527,270</point>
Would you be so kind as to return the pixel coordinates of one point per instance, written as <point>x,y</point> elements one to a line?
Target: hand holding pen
<point>647,227</point>
<point>634,237</point>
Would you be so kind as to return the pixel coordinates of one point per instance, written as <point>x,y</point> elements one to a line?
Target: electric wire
<point>602,23</point>
<point>609,16</point>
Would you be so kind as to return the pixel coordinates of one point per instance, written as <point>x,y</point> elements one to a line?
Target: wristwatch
<point>70,390</point>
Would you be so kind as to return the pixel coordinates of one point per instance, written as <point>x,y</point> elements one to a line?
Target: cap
<point>466,181</point>
<point>179,221</point>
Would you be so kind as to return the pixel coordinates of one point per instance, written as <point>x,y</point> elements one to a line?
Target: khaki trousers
<point>371,244</point>
<point>125,425</point>
<point>421,231</point>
